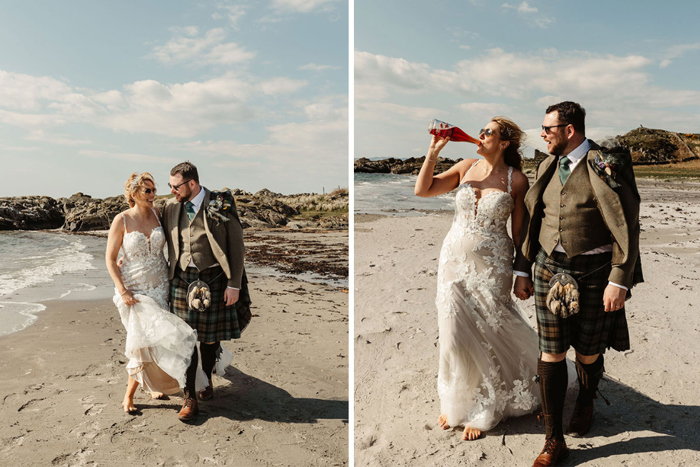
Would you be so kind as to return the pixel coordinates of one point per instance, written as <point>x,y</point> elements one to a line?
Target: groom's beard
<point>558,147</point>
<point>186,195</point>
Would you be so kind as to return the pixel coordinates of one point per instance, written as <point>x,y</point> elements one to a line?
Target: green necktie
<point>189,208</point>
<point>564,170</point>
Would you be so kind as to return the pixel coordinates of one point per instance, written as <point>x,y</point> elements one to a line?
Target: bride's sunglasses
<point>148,191</point>
<point>486,131</point>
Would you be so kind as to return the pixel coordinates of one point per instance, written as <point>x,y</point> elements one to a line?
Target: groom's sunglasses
<point>548,129</point>
<point>176,187</point>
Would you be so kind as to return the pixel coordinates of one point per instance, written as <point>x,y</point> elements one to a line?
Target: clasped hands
<point>523,288</point>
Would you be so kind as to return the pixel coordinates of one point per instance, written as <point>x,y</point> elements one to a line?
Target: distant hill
<point>649,146</point>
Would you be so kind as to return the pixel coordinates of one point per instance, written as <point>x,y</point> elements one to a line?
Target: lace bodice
<point>144,270</point>
<point>488,215</point>
<point>478,232</point>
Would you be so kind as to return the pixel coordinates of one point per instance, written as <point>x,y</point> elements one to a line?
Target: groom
<point>205,242</point>
<point>584,221</point>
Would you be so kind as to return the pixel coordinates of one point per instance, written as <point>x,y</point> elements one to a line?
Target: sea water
<point>391,194</point>
<point>40,266</point>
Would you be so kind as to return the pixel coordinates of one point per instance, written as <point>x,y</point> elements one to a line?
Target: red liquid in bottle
<point>443,129</point>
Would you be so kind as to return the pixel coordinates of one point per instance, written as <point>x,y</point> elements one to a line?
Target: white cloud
<point>525,10</point>
<point>188,46</point>
<point>607,79</point>
<point>62,140</point>
<point>302,6</point>
<point>379,112</point>
<point>233,12</point>
<point>148,106</point>
<point>132,157</point>
<point>676,51</point>
<point>391,71</point>
<point>25,92</point>
<point>320,141</point>
<point>393,96</point>
<point>315,67</point>
<point>30,120</point>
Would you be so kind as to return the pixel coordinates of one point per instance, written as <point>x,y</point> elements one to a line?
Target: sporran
<point>198,296</point>
<point>562,299</point>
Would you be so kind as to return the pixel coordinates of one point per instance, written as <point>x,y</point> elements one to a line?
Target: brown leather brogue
<point>581,420</point>
<point>554,451</point>
<point>207,393</point>
<point>189,409</point>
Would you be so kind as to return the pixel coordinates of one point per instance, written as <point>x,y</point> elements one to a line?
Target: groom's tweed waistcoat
<point>571,215</point>
<point>194,243</point>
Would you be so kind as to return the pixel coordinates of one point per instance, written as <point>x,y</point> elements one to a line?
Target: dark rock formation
<point>30,213</point>
<point>84,213</point>
<point>409,166</point>
<point>81,212</point>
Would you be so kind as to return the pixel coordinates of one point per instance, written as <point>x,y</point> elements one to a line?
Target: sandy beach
<point>283,401</point>
<point>653,388</point>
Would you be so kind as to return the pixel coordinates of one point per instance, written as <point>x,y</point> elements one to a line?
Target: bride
<point>488,350</point>
<point>159,345</point>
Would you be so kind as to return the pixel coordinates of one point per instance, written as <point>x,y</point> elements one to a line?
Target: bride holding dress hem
<point>159,345</point>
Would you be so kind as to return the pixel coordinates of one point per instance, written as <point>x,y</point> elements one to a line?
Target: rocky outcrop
<point>649,146</point>
<point>409,166</point>
<point>265,209</point>
<point>30,213</point>
<point>84,213</point>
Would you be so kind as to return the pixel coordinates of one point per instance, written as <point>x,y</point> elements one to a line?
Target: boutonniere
<point>607,167</point>
<point>217,206</point>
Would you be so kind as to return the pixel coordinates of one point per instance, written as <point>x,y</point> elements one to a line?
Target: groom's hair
<point>570,113</point>
<point>187,170</point>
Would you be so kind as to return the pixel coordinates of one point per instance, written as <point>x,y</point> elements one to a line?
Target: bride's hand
<point>523,287</point>
<point>438,142</point>
<point>128,298</point>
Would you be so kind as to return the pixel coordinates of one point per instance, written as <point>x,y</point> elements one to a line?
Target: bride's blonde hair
<point>134,183</point>
<point>511,132</point>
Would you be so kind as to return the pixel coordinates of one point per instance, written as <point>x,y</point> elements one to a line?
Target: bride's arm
<point>427,184</point>
<point>114,243</point>
<point>523,287</point>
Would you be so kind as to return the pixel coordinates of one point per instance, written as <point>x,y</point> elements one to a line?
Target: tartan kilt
<point>591,330</point>
<point>219,322</point>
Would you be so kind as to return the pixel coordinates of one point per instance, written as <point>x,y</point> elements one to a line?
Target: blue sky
<point>629,63</point>
<point>253,92</point>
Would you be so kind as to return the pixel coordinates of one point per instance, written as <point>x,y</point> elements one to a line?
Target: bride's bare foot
<point>157,395</point>
<point>128,405</point>
<point>442,422</point>
<point>470,434</point>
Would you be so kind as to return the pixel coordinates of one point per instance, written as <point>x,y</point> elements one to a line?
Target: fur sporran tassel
<point>562,299</point>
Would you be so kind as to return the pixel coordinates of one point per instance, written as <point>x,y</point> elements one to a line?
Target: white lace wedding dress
<point>488,350</point>
<point>159,345</point>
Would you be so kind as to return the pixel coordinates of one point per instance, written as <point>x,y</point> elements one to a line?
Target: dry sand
<point>284,400</point>
<point>654,388</point>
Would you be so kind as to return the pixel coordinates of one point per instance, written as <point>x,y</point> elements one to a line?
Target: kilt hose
<point>219,322</point>
<point>591,330</point>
